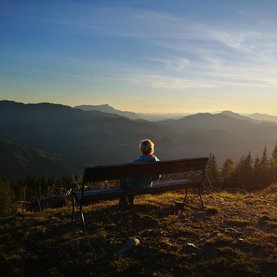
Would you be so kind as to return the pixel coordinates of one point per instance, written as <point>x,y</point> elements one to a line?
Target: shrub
<point>271,189</point>
<point>6,197</point>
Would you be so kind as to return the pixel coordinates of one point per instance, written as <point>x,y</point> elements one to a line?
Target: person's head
<point>147,147</point>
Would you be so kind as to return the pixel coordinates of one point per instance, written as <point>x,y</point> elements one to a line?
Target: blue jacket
<point>145,181</point>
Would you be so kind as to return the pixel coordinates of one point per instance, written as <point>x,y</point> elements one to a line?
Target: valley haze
<point>54,139</point>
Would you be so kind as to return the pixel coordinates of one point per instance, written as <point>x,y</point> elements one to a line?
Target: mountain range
<point>53,139</point>
<point>264,117</point>
<point>106,108</point>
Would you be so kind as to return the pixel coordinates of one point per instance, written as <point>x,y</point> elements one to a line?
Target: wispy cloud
<point>177,53</point>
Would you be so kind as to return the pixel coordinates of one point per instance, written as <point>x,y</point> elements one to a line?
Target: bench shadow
<point>135,219</point>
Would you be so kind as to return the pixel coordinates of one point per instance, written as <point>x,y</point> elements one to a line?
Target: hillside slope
<point>18,161</point>
<point>235,235</point>
<point>223,133</point>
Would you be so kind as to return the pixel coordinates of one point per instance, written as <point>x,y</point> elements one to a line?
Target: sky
<point>178,56</point>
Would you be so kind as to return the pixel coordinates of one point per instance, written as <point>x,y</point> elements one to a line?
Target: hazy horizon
<point>154,114</point>
<point>177,57</point>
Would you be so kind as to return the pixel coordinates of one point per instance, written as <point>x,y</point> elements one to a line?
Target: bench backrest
<point>101,173</point>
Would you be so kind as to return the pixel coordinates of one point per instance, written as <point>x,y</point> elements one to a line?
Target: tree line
<point>248,174</point>
<point>33,189</point>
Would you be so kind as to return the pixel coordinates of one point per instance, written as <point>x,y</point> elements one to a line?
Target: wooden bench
<point>192,172</point>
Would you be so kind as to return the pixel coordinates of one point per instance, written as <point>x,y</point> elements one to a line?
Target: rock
<point>231,230</point>
<point>191,245</point>
<point>128,245</point>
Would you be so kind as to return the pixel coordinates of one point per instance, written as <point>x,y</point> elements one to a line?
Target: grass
<point>233,235</point>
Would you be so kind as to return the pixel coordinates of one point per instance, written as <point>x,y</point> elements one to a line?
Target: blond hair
<point>147,147</point>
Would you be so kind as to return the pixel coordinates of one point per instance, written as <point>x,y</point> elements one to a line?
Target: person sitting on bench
<point>147,149</point>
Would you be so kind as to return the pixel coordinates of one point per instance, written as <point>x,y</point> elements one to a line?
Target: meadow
<point>235,234</point>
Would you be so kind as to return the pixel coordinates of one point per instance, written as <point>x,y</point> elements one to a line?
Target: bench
<point>192,172</point>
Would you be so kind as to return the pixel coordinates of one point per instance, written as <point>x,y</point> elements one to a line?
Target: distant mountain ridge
<point>237,116</point>
<point>265,117</point>
<point>72,138</point>
<point>106,108</point>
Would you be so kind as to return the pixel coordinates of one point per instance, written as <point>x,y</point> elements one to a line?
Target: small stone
<point>129,244</point>
<point>232,230</point>
<point>192,245</point>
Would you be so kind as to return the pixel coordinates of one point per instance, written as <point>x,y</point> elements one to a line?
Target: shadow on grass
<point>134,219</point>
<point>175,241</point>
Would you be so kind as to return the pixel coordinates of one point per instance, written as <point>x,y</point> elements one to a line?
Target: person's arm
<point>156,177</point>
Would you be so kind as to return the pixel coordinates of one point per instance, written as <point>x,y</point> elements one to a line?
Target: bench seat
<point>92,195</point>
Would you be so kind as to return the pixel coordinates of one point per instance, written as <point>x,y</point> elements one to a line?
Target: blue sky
<point>144,56</point>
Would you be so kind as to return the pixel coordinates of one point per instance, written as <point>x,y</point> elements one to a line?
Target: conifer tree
<point>212,171</point>
<point>244,172</point>
<point>274,155</point>
<point>264,163</point>
<point>262,170</point>
<point>256,172</point>
<point>257,163</point>
<point>227,171</point>
<point>274,164</point>
<point>265,176</point>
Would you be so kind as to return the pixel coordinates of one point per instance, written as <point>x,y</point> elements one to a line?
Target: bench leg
<point>82,218</point>
<point>186,195</point>
<point>73,209</point>
<point>199,193</point>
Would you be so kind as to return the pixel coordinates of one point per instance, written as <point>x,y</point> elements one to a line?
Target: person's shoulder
<point>137,160</point>
<point>156,159</point>
<point>143,159</point>
<point>152,158</point>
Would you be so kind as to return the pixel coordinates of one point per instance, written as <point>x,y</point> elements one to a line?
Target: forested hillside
<point>18,161</point>
<point>71,139</point>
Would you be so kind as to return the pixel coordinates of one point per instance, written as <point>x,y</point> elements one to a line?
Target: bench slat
<point>111,193</point>
<point>100,173</point>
